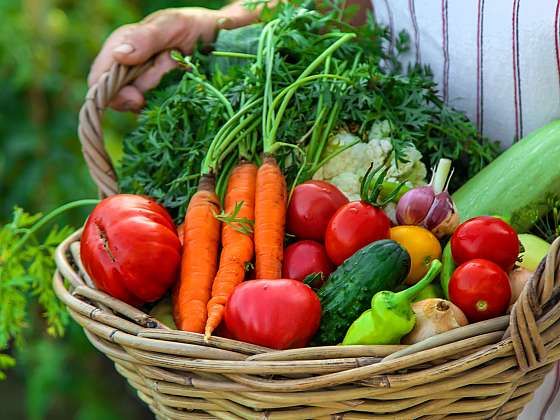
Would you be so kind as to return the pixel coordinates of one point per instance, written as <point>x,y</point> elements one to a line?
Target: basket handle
<point>536,311</point>
<point>90,130</point>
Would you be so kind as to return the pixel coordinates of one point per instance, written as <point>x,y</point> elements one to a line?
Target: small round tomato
<point>311,207</point>
<point>481,289</point>
<point>352,227</point>
<point>304,258</point>
<point>421,245</point>
<point>485,237</point>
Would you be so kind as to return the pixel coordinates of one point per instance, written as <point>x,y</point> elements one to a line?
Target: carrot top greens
<point>286,85</point>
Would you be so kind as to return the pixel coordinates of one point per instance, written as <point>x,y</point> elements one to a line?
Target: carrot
<point>237,247</point>
<point>199,259</point>
<point>270,219</point>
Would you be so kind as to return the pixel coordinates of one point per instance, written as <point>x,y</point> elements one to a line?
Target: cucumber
<point>381,265</point>
<point>517,182</point>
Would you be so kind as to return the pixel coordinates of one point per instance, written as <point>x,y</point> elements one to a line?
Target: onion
<point>431,206</point>
<point>414,205</point>
<point>518,278</point>
<point>434,316</point>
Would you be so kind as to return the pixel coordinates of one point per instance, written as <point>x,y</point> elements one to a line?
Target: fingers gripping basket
<point>485,370</point>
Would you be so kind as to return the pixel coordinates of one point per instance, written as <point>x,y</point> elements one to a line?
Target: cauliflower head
<point>347,169</point>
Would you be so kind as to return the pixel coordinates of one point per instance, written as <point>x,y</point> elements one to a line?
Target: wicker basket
<point>485,370</point>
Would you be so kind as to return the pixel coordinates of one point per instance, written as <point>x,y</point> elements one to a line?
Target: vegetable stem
<point>410,293</point>
<point>441,174</point>
<point>270,137</point>
<point>50,216</point>
<point>320,114</point>
<point>214,91</point>
<point>326,132</point>
<point>232,54</point>
<point>212,158</point>
<point>177,56</point>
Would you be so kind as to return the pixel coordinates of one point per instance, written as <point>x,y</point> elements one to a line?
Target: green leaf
<point>26,268</point>
<point>6,362</point>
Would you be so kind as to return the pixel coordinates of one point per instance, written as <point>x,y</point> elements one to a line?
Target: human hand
<point>155,36</point>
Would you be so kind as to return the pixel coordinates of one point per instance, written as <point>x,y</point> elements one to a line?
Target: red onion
<point>430,206</point>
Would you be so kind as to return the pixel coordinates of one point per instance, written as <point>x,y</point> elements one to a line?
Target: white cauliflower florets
<point>347,169</point>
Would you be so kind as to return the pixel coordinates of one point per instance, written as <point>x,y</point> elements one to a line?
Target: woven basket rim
<point>82,290</point>
<point>163,364</point>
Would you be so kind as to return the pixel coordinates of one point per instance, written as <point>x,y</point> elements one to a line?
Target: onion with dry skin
<point>518,278</point>
<point>434,316</point>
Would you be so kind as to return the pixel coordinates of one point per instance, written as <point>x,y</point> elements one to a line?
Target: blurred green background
<point>46,48</point>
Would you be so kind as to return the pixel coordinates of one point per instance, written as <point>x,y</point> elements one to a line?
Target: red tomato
<point>485,237</point>
<point>311,207</point>
<point>130,248</point>
<point>280,314</point>
<point>481,289</point>
<point>352,227</point>
<point>304,258</point>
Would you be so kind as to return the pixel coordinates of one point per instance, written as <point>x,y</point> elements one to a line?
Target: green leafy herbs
<point>240,224</point>
<point>6,362</point>
<point>280,93</point>
<point>27,273</point>
<point>26,269</point>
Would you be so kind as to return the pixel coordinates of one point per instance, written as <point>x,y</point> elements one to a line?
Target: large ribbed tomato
<point>130,248</point>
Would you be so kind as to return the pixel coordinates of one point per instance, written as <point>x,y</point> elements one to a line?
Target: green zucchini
<point>381,265</point>
<point>516,184</point>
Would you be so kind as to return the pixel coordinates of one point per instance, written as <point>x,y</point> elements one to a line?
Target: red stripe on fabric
<point>479,68</point>
<point>445,49</point>
<point>518,70</point>
<point>412,11</point>
<point>515,63</point>
<point>557,39</point>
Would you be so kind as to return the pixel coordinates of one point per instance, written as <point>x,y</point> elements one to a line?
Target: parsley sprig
<point>26,269</point>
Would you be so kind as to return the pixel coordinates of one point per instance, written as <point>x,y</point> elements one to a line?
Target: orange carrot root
<point>199,260</point>
<point>237,247</point>
<point>270,219</point>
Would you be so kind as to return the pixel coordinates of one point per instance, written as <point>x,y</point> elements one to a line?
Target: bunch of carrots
<point>252,194</point>
<point>253,218</point>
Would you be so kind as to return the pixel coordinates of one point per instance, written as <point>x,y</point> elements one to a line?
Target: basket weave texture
<point>485,370</point>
